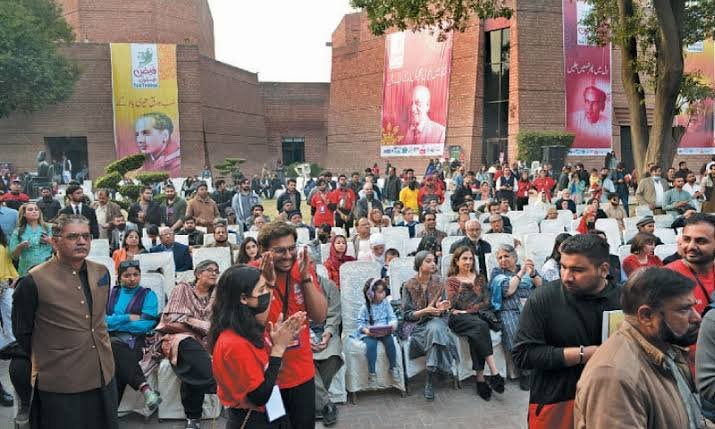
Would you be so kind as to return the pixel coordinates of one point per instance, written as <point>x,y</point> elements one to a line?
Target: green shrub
<point>126,164</point>
<point>531,142</point>
<point>108,181</point>
<point>124,204</point>
<point>152,177</point>
<point>161,198</point>
<point>131,192</point>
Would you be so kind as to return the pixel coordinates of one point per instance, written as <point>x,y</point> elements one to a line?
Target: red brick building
<point>524,91</point>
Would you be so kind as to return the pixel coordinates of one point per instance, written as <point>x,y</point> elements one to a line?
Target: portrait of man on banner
<point>416,94</point>
<point>592,121</point>
<point>154,138</point>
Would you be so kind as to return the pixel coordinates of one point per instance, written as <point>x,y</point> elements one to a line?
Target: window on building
<point>496,95</point>
<point>293,150</point>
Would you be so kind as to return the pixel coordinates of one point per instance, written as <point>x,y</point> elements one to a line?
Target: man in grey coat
<point>327,349</point>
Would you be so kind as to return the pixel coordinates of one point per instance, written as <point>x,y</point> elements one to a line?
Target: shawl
<point>434,289</point>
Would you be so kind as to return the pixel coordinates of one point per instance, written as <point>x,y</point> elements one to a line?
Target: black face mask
<point>686,340</point>
<point>121,226</point>
<point>264,300</point>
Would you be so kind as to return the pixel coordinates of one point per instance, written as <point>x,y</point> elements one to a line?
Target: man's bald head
<point>420,104</point>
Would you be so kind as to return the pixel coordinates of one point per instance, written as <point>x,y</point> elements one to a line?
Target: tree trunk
<point>635,94</point>
<point>669,68</point>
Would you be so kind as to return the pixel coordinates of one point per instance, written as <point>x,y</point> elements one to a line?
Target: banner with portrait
<point>145,98</point>
<point>699,138</point>
<point>587,78</point>
<point>415,94</point>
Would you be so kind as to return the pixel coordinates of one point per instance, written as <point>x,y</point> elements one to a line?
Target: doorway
<point>74,148</point>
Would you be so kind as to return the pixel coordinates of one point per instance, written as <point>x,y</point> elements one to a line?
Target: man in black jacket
<point>146,211</point>
<point>478,246</point>
<point>560,328</point>
<point>459,195</point>
<point>78,206</point>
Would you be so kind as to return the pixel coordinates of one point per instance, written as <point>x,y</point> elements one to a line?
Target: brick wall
<point>232,109</point>
<point>185,22</point>
<point>297,110</point>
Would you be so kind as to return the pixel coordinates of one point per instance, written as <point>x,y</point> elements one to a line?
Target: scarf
<point>421,294</point>
<point>336,259</point>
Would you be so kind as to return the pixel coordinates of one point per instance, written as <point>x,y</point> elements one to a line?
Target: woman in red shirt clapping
<point>245,360</point>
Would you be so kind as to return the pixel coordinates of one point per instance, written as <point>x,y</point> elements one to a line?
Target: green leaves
<point>531,142</point>
<point>126,164</point>
<point>441,16</point>
<point>33,73</point>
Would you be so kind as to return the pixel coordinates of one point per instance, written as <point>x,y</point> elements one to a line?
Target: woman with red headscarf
<point>338,256</point>
<point>588,220</point>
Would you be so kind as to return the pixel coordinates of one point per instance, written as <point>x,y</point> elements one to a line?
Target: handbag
<point>491,318</point>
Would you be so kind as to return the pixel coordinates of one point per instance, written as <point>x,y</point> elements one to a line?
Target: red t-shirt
<point>545,184</point>
<point>631,264</point>
<point>347,196</point>
<point>238,368</point>
<point>702,297</point>
<point>298,366</point>
<point>323,214</point>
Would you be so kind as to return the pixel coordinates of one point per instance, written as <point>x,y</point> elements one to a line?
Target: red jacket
<point>545,184</point>
<point>523,189</point>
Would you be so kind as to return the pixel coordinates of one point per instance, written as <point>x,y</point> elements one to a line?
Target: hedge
<point>531,142</point>
<point>109,181</point>
<point>126,164</point>
<point>152,177</point>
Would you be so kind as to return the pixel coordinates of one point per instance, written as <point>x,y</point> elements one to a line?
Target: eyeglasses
<point>284,250</point>
<point>211,270</point>
<point>75,236</point>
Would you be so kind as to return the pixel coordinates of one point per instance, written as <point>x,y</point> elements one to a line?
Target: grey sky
<point>282,40</point>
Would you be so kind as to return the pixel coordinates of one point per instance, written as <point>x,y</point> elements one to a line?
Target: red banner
<point>699,137</point>
<point>415,94</point>
<point>587,72</point>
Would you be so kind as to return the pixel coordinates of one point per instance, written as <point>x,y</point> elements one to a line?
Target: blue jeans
<point>371,343</point>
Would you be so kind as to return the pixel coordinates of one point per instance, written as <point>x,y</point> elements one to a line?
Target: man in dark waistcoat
<point>59,320</point>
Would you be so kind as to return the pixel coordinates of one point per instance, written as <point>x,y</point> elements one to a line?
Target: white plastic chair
<point>642,211</point>
<point>324,252</point>
<point>663,221</point>
<point>623,252</point>
<point>412,244</point>
<point>182,238</point>
<point>353,276</point>
<point>99,247</point>
<point>221,255</point>
<point>612,230</point>
<point>170,386</point>
<point>538,247</point>
<point>666,235</point>
<point>553,226</point>
<point>163,261</point>
<point>303,235</point>
<point>628,234</point>
<point>630,223</point>
<point>107,262</point>
<point>665,250</point>
<point>496,239</point>
<point>520,230</point>
<point>400,270</point>
<point>155,282</point>
<point>397,234</point>
<point>322,271</point>
<point>444,264</point>
<point>448,241</point>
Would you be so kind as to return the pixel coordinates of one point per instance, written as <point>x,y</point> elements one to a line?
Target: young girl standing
<point>376,321</point>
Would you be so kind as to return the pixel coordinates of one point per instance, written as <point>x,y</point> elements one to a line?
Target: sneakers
<point>372,381</point>
<point>429,391</point>
<point>496,382</point>
<point>484,391</point>
<point>152,399</point>
<point>193,424</point>
<point>330,414</point>
<point>22,419</point>
<point>395,374</point>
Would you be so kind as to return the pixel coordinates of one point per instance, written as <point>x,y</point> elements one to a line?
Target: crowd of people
<point>268,329</point>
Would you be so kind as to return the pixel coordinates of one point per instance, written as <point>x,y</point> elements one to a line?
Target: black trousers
<point>521,202</point>
<point>477,332</point>
<point>256,420</point>
<point>299,402</point>
<point>92,409</point>
<point>193,367</point>
<point>340,223</point>
<point>21,378</point>
<point>126,362</point>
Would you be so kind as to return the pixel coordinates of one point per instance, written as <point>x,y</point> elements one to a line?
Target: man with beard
<point>409,195</point>
<point>105,211</point>
<point>560,329</point>
<point>49,206</point>
<point>174,208</point>
<point>697,246</point>
<point>368,202</point>
<point>341,202</point>
<point>146,211</point>
<point>295,286</point>
<point>243,202</point>
<point>640,377</point>
<point>117,230</point>
<point>195,236</point>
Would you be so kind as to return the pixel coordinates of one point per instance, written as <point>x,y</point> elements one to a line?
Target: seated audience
<point>132,312</point>
<point>131,246</point>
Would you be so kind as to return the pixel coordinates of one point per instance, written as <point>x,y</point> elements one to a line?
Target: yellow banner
<point>145,97</point>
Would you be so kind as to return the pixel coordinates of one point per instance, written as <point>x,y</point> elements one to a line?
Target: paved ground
<point>453,409</point>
